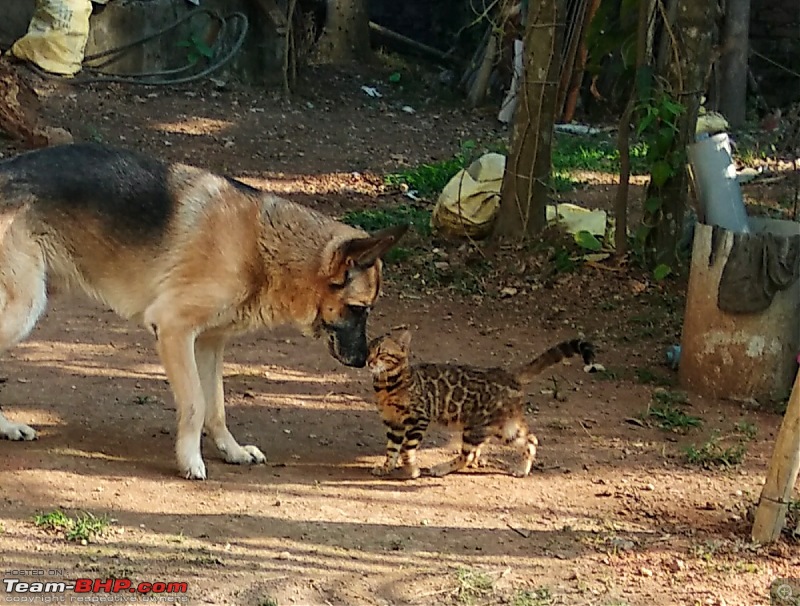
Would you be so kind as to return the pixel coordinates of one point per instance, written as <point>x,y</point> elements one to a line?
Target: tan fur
<point>230,260</point>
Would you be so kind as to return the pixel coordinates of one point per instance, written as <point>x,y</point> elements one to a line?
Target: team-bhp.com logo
<point>21,591</point>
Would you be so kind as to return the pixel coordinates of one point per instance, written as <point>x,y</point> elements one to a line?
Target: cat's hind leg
<point>516,432</point>
<point>471,442</point>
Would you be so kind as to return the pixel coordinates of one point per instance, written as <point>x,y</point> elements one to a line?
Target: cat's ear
<point>404,339</point>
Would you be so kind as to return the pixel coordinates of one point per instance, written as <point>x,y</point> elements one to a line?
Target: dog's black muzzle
<point>347,338</point>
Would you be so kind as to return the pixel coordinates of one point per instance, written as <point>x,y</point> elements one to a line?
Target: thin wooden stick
<point>770,516</point>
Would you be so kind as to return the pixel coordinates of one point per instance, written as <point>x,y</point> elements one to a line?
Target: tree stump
<point>19,117</point>
<point>741,356</point>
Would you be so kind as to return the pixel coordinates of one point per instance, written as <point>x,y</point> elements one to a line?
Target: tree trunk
<point>526,183</point>
<point>686,71</point>
<point>346,34</point>
<point>733,62</point>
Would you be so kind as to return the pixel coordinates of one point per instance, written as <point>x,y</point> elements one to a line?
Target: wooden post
<point>783,468</point>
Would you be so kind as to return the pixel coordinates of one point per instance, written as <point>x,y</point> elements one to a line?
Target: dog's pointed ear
<point>364,252</point>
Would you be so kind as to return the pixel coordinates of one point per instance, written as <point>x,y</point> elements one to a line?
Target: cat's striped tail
<point>554,355</point>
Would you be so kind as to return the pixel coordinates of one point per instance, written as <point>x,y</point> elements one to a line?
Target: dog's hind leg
<point>23,297</point>
<point>208,353</point>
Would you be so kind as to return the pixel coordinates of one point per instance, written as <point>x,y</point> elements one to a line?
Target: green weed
<point>429,179</point>
<point>372,219</point>
<point>540,596</point>
<point>473,584</point>
<point>671,418</point>
<point>746,430</point>
<point>715,454</point>
<point>645,376</point>
<point>596,153</point>
<point>83,528</point>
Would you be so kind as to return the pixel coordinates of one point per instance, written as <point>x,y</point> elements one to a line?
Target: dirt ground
<point>612,514</point>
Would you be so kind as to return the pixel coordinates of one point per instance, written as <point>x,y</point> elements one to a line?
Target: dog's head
<point>352,274</point>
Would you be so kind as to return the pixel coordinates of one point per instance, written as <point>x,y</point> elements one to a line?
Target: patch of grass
<point>373,219</point>
<point>714,453</point>
<point>562,261</point>
<point>429,179</point>
<point>646,376</point>
<point>671,418</point>
<point>473,584</point>
<point>747,430</point>
<point>610,374</point>
<point>540,596</point>
<point>561,181</point>
<point>55,520</point>
<point>596,153</point>
<point>670,397</point>
<point>83,528</point>
<point>705,550</point>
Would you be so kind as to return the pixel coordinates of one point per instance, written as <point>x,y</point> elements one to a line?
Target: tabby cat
<point>484,402</point>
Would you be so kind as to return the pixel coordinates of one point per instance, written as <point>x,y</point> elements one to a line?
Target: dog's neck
<point>292,246</point>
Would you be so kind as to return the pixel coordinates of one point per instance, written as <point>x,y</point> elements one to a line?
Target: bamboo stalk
<point>773,504</point>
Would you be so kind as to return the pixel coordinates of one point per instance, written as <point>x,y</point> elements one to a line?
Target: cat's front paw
<point>380,471</point>
<point>409,472</point>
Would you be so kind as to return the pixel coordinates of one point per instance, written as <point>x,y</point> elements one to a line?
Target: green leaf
<point>673,107</point>
<point>661,272</point>
<point>661,172</point>
<point>205,50</point>
<point>652,205</point>
<point>646,121</point>
<point>586,240</point>
<point>394,78</point>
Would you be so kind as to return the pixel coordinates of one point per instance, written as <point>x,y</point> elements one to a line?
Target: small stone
<point>678,565</point>
<point>649,487</point>
<point>645,572</point>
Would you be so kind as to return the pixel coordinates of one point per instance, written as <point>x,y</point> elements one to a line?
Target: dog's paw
<point>192,466</point>
<point>17,431</point>
<point>245,455</point>
<point>196,472</point>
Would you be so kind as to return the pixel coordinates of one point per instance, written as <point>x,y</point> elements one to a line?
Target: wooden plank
<point>783,469</point>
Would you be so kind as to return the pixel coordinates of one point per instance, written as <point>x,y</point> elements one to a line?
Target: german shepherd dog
<point>193,256</point>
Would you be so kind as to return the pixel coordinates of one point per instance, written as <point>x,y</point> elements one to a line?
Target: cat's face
<point>388,352</point>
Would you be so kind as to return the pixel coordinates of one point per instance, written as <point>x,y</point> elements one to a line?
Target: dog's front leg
<point>208,353</point>
<point>176,350</point>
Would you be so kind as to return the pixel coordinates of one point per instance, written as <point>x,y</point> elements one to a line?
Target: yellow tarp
<point>57,36</point>
<point>469,203</point>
